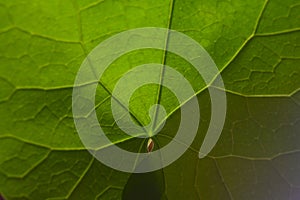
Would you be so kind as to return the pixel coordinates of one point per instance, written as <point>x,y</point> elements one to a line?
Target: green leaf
<point>256,46</point>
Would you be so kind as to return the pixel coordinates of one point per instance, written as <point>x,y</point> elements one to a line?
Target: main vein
<point>164,60</point>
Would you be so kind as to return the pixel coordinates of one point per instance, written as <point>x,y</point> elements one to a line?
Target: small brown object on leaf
<point>150,145</point>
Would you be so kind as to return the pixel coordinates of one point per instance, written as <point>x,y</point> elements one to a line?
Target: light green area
<point>255,44</point>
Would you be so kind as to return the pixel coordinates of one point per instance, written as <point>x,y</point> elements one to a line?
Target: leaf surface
<point>255,45</point>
